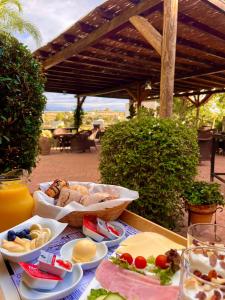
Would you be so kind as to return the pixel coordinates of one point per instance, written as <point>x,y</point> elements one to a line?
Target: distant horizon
<point>65,103</point>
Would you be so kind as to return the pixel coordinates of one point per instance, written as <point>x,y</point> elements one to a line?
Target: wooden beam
<point>111,90</point>
<point>105,66</point>
<point>218,3</point>
<point>99,33</point>
<point>168,57</point>
<point>211,92</point>
<point>205,99</point>
<point>152,36</point>
<point>189,21</point>
<point>131,94</point>
<point>179,54</point>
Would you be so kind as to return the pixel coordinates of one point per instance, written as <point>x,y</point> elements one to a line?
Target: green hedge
<point>157,157</point>
<point>22,103</point>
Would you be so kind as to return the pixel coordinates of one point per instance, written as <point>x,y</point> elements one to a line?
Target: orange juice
<point>16,203</point>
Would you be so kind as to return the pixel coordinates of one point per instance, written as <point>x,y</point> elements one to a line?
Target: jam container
<point>54,264</point>
<point>37,279</point>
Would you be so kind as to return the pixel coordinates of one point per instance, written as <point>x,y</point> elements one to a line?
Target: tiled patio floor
<point>84,167</point>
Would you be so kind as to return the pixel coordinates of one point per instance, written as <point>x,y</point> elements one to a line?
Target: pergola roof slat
<point>104,51</point>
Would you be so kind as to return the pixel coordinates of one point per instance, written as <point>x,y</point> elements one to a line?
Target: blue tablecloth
<point>68,235</point>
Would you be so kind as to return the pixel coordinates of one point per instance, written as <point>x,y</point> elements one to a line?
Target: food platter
<point>127,218</point>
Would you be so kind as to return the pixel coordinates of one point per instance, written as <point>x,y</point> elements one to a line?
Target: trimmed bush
<point>21,105</point>
<point>157,157</point>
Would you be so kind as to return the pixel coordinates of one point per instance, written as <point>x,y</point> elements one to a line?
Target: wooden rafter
<point>94,36</point>
<point>153,37</point>
<point>218,3</point>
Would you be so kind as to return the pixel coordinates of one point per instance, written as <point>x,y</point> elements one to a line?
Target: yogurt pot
<point>36,279</point>
<point>54,264</point>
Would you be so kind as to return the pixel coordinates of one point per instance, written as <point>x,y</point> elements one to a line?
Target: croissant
<point>55,188</point>
<point>96,198</point>
<point>66,196</point>
<point>79,188</point>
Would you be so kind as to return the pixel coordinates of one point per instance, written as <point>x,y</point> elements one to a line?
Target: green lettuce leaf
<point>95,293</point>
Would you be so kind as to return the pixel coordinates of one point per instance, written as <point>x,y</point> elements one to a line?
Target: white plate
<point>63,289</point>
<point>67,250</point>
<point>55,227</point>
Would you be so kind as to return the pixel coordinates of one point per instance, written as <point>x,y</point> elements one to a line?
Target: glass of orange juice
<point>16,202</point>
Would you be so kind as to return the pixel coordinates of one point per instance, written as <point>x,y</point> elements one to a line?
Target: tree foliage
<point>22,103</point>
<point>11,20</point>
<point>157,157</point>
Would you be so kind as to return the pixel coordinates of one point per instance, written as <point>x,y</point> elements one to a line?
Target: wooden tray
<point>8,290</point>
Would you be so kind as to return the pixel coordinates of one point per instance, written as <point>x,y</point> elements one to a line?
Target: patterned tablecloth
<point>68,235</point>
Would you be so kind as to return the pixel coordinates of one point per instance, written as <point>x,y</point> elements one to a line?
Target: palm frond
<point>4,3</point>
<point>12,22</point>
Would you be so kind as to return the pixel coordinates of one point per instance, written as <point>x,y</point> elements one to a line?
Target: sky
<point>52,17</point>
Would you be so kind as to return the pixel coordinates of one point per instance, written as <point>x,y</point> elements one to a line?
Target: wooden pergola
<point>175,47</point>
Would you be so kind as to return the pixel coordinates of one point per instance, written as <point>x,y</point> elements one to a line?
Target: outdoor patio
<point>84,167</point>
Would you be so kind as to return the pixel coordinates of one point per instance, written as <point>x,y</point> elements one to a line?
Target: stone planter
<point>201,213</point>
<point>45,145</point>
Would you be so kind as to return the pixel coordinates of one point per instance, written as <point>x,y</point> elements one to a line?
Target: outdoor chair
<point>205,138</point>
<point>81,142</point>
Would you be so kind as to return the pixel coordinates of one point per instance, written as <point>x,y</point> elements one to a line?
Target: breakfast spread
<point>99,229</point>
<point>84,251</point>
<point>53,264</point>
<point>64,193</point>
<point>28,239</point>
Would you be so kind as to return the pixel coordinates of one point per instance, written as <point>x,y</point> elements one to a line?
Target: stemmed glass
<point>206,234</point>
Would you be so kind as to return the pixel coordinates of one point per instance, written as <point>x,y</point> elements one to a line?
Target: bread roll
<point>66,196</point>
<point>79,188</point>
<point>96,198</point>
<point>55,188</point>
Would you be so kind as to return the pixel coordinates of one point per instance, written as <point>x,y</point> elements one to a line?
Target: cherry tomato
<point>161,261</point>
<point>140,262</point>
<point>127,257</point>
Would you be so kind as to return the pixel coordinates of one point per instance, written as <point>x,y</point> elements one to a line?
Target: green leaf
<point>95,293</point>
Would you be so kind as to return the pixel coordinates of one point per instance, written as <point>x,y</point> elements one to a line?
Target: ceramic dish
<point>122,231</point>
<point>55,227</point>
<point>67,249</point>
<point>62,290</point>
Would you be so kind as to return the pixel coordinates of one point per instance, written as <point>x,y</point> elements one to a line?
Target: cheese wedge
<point>147,244</point>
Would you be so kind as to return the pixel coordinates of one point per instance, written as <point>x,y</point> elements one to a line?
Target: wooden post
<point>139,99</point>
<point>78,112</point>
<point>168,57</point>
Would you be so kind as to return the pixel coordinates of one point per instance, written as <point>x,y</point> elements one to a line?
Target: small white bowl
<point>62,290</point>
<point>111,243</point>
<point>55,227</point>
<point>67,250</point>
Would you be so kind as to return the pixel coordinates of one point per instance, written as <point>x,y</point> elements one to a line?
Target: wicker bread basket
<point>75,218</point>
